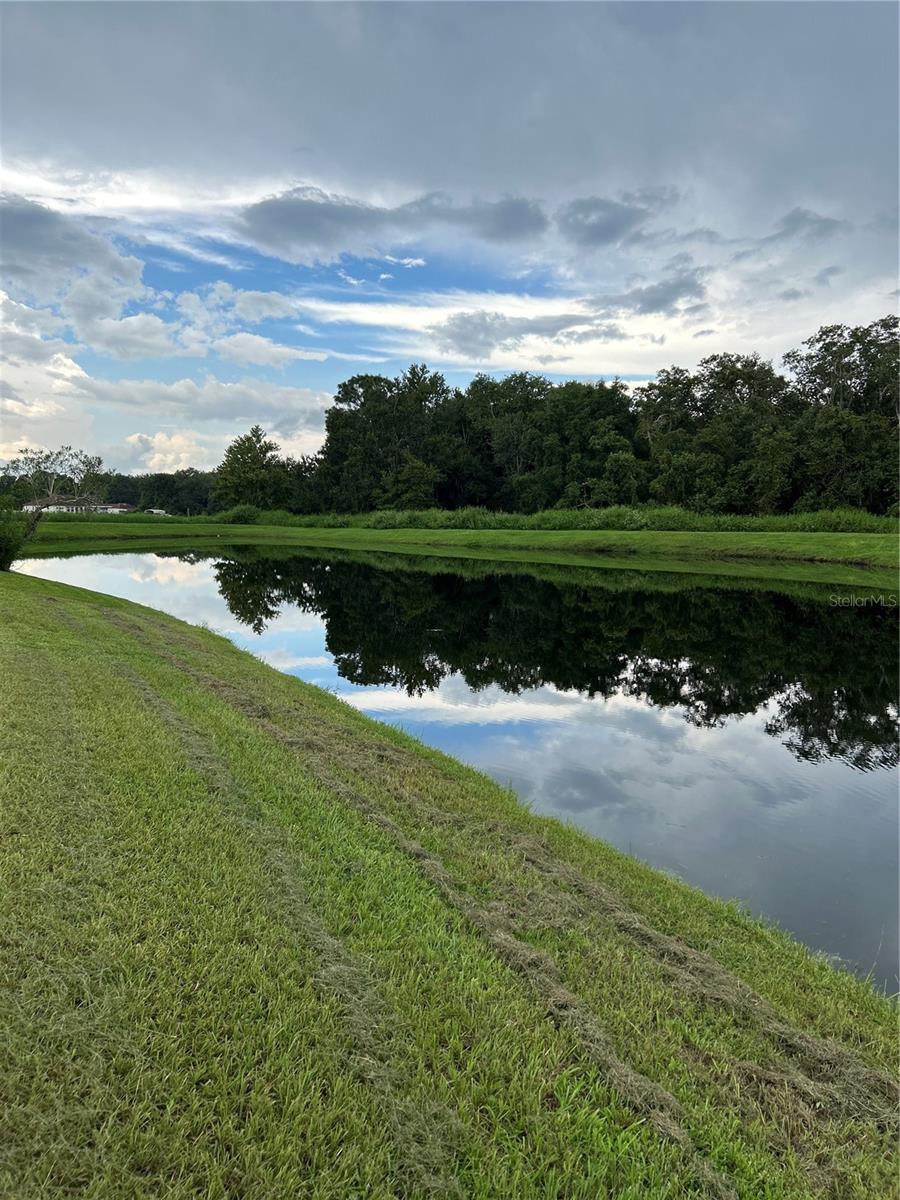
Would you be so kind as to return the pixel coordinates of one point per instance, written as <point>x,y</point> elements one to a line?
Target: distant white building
<point>157,512</point>
<point>76,506</point>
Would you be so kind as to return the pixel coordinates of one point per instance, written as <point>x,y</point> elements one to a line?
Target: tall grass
<point>659,518</point>
<point>669,518</point>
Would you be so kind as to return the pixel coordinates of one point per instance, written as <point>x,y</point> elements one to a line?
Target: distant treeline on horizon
<point>733,436</point>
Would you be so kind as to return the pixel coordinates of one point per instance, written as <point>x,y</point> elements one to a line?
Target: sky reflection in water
<point>713,797</point>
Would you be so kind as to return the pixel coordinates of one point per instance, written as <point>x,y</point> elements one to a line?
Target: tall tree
<point>854,369</point>
<point>251,473</point>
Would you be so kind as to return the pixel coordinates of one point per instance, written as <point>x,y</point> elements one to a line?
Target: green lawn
<point>256,945</point>
<point>864,558</point>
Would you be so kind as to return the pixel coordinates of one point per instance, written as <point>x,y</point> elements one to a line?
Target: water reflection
<point>821,673</point>
<point>736,737</point>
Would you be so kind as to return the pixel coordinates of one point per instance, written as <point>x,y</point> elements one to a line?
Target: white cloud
<point>285,660</point>
<point>38,375</point>
<point>254,307</point>
<point>20,317</point>
<point>142,336</point>
<point>212,399</point>
<point>174,451</point>
<point>262,351</point>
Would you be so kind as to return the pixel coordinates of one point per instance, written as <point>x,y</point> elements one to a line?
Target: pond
<point>740,737</point>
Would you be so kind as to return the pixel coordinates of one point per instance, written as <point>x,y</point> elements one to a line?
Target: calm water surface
<point>744,740</point>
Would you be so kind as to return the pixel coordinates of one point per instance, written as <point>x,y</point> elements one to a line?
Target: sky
<point>214,213</point>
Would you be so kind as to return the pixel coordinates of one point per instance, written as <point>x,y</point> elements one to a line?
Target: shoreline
<point>841,558</point>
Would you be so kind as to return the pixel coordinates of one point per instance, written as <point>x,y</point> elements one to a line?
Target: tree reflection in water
<point>824,675</point>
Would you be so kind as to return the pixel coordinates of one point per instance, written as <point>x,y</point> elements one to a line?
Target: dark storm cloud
<point>594,221</point>
<point>566,150</point>
<point>41,250</point>
<point>308,222</point>
<point>785,101</point>
<point>507,220</point>
<point>801,226</point>
<point>803,223</point>
<point>665,296</point>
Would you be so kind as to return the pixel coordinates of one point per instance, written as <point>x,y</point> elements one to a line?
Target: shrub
<point>12,537</point>
<point>241,514</point>
<point>621,516</point>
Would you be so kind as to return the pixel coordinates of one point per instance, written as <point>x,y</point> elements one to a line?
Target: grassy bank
<point>658,518</point>
<point>823,557</point>
<point>260,946</point>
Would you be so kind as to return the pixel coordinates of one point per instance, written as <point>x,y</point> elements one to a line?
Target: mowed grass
<point>256,945</point>
<point>863,558</point>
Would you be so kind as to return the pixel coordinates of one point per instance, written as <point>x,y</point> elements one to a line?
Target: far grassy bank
<point>260,945</point>
<point>848,558</point>
<point>659,518</point>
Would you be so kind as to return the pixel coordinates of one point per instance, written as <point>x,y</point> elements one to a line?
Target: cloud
<point>510,219</point>
<point>54,257</point>
<point>404,262</point>
<point>252,349</point>
<point>661,297</point>
<point>14,315</point>
<point>22,349</point>
<point>476,334</point>
<point>212,399</point>
<point>14,405</point>
<point>307,224</point>
<point>38,377</point>
<point>254,307</point>
<point>172,451</point>
<point>824,277</point>
<point>594,221</point>
<point>806,225</point>
<point>141,336</point>
<point>42,251</point>
<point>548,230</point>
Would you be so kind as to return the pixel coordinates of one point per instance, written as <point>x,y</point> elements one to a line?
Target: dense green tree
<point>251,473</point>
<point>410,484</point>
<point>183,493</point>
<point>851,369</point>
<point>846,458</point>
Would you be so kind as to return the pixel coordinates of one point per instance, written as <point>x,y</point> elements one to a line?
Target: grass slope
<point>864,558</point>
<point>255,944</point>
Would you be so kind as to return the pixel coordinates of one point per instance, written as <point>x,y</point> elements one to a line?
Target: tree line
<point>732,436</point>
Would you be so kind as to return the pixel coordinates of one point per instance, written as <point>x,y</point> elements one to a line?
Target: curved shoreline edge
<point>257,939</point>
<point>867,560</point>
